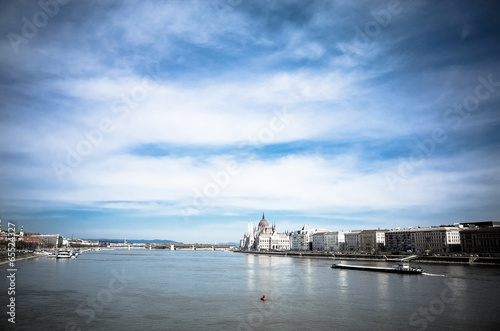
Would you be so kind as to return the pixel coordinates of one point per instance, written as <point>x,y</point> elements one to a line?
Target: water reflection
<point>382,288</point>
<point>343,281</point>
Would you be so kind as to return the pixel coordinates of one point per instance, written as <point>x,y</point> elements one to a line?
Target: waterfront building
<point>299,240</point>
<point>352,240</point>
<point>470,237</point>
<point>482,240</point>
<point>442,239</point>
<point>371,241</point>
<point>280,241</point>
<point>34,240</point>
<point>318,241</point>
<point>52,240</point>
<point>305,239</point>
<point>294,241</point>
<point>302,240</point>
<point>264,237</point>
<point>335,241</point>
<point>438,239</point>
<point>398,240</point>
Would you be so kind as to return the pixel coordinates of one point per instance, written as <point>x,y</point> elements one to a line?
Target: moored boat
<point>65,254</point>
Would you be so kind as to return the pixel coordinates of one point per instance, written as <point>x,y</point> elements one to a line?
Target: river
<point>216,290</point>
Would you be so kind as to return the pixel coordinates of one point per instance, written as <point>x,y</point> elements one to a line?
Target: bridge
<point>192,247</point>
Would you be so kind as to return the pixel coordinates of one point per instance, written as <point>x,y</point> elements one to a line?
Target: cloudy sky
<point>184,120</point>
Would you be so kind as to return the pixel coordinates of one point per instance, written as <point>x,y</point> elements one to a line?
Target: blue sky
<point>184,120</point>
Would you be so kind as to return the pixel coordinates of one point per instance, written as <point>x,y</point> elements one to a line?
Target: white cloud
<point>224,74</point>
<point>222,111</point>
<point>307,184</point>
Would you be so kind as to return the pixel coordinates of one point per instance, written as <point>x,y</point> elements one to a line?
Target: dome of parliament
<point>263,223</point>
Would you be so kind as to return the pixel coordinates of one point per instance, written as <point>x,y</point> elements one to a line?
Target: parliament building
<point>264,238</point>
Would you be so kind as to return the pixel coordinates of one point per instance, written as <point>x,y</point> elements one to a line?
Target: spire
<point>263,215</point>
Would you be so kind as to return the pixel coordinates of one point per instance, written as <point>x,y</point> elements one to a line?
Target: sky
<point>185,120</point>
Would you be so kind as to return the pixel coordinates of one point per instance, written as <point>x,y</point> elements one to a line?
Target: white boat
<point>65,254</point>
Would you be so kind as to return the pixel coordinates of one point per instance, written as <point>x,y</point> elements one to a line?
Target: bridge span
<point>192,247</point>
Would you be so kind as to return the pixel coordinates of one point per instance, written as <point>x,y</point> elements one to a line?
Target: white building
<point>435,239</point>
<point>302,240</point>
<point>335,241</point>
<point>264,237</point>
<point>318,241</point>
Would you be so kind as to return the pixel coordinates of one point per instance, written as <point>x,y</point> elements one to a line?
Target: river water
<point>205,290</point>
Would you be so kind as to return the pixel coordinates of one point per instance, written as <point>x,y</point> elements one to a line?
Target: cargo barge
<point>399,269</point>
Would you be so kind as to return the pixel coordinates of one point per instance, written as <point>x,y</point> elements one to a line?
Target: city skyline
<point>186,120</point>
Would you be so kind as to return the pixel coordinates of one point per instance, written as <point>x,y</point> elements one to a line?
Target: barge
<point>403,268</point>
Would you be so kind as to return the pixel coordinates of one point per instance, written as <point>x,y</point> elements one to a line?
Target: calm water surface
<point>205,290</point>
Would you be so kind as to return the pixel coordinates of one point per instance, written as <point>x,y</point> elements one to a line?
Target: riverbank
<point>391,258</point>
<point>19,257</point>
